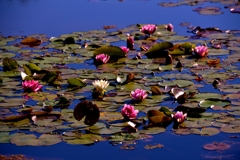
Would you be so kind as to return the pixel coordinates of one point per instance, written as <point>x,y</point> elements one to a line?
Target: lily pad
<point>112,51</point>
<point>216,102</point>
<point>158,50</point>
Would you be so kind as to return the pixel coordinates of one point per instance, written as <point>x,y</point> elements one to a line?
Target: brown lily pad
<point>88,109</point>
<point>31,41</point>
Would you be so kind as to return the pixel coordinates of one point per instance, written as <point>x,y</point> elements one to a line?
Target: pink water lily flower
<point>139,95</point>
<point>124,49</point>
<point>31,86</point>
<point>102,58</point>
<point>200,51</point>
<point>169,27</point>
<point>149,29</point>
<point>129,112</point>
<point>179,116</point>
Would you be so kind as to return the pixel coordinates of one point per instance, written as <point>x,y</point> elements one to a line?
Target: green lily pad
<point>209,131</point>
<point>183,83</point>
<point>153,130</point>
<point>106,130</point>
<point>7,54</point>
<point>157,50</point>
<point>76,82</point>
<point>216,102</point>
<point>230,129</point>
<point>112,51</point>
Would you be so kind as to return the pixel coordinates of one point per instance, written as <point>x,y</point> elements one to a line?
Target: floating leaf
<point>153,130</point>
<point>153,146</point>
<point>32,140</point>
<point>112,51</point>
<point>183,83</point>
<point>31,41</point>
<point>156,90</point>
<point>165,111</point>
<point>156,116</point>
<point>158,50</point>
<point>209,131</point>
<point>76,82</point>
<point>111,130</point>
<point>88,109</point>
<point>69,40</point>
<point>215,102</point>
<point>9,64</point>
<point>216,146</point>
<point>50,77</point>
<point>230,129</point>
<point>33,67</point>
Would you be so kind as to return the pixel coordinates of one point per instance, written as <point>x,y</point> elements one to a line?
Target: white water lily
<point>101,85</point>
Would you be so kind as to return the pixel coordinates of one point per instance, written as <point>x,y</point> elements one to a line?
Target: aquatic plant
<point>139,95</point>
<point>128,112</point>
<point>179,116</point>
<point>148,29</point>
<point>101,86</point>
<point>125,49</point>
<point>31,86</point>
<point>102,58</point>
<point>169,27</point>
<point>200,51</point>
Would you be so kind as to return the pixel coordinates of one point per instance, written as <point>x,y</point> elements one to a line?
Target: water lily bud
<point>200,51</point>
<point>149,29</point>
<point>130,42</point>
<point>169,27</point>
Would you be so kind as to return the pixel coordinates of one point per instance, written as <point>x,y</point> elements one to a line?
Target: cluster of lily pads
<point>232,5</point>
<point>133,91</point>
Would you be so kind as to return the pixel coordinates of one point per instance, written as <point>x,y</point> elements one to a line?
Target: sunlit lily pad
<point>209,131</point>
<point>158,49</point>
<point>112,51</point>
<point>230,129</point>
<point>106,130</point>
<point>32,140</point>
<point>216,102</point>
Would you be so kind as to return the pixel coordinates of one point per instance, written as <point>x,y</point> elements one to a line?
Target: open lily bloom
<point>102,58</point>
<point>129,112</point>
<point>149,29</point>
<point>169,27</point>
<point>124,49</point>
<point>179,116</point>
<point>139,95</point>
<point>200,51</point>
<point>31,86</point>
<point>101,86</point>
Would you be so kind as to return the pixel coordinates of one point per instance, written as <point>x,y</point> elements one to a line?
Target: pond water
<point>57,17</point>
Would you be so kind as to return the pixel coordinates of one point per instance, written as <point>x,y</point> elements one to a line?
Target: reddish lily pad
<point>88,109</point>
<point>216,146</point>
